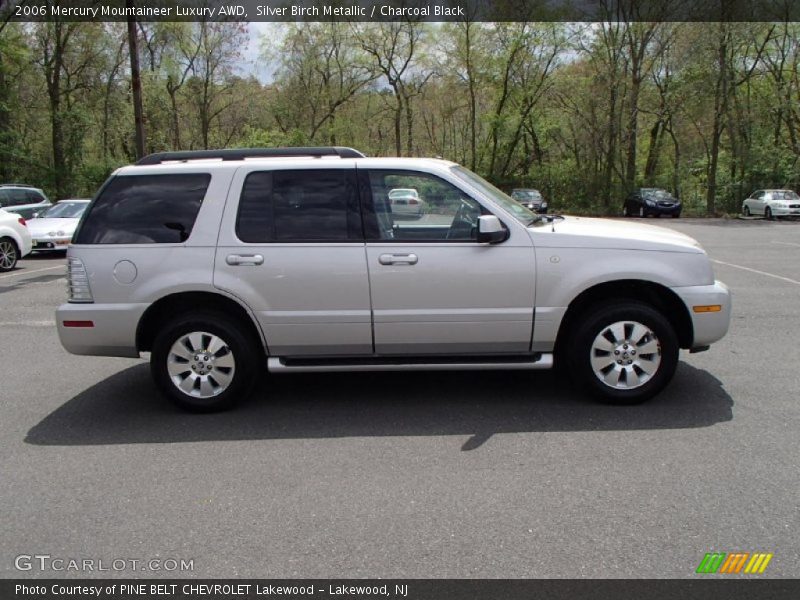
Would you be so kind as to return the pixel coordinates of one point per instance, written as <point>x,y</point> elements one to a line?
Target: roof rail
<point>22,185</point>
<point>242,153</point>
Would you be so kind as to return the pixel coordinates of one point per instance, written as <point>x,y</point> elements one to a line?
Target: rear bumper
<point>708,327</point>
<point>112,331</point>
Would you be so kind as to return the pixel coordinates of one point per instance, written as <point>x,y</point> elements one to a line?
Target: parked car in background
<point>772,203</point>
<point>52,230</point>
<point>406,202</point>
<point>15,240</point>
<point>644,202</point>
<point>25,200</point>
<point>530,199</point>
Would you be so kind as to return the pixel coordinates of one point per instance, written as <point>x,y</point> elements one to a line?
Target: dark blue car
<point>644,202</point>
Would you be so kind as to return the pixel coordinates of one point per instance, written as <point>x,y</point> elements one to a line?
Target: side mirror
<point>491,230</point>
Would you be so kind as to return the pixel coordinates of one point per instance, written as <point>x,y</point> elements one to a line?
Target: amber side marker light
<point>78,323</point>
<point>707,308</point>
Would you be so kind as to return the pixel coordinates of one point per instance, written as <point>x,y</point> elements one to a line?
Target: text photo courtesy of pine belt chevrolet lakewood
<point>222,263</point>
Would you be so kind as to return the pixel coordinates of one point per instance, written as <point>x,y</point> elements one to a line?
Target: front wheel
<point>204,362</point>
<point>624,353</point>
<point>746,211</point>
<point>768,214</point>
<point>8,254</point>
<point>641,212</point>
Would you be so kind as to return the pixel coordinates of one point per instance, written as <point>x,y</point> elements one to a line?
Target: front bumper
<point>664,210</point>
<point>48,243</point>
<point>785,212</point>
<point>708,327</point>
<point>112,331</point>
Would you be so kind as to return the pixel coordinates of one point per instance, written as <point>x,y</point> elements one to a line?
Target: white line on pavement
<point>787,244</point>
<point>719,262</point>
<point>27,323</point>
<point>34,271</point>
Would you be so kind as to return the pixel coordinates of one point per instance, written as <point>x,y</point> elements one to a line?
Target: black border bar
<point>399,10</point>
<point>700,588</point>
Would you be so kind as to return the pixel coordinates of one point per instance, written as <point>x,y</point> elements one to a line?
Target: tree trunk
<point>720,102</point>
<point>136,85</point>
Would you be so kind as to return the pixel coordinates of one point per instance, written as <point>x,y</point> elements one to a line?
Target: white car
<point>772,203</point>
<point>406,202</point>
<point>52,230</point>
<point>15,240</point>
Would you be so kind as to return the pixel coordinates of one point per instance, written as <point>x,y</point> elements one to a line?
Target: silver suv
<point>219,263</point>
<point>24,200</point>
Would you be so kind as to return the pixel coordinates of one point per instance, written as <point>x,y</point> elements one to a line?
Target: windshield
<point>65,210</point>
<point>657,194</point>
<point>517,210</point>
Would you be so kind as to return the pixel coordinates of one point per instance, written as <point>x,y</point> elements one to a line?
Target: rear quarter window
<point>145,209</point>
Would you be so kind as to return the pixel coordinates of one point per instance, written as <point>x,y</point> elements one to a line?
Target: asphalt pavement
<point>425,475</point>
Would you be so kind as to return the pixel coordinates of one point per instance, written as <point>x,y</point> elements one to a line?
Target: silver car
<point>24,200</point>
<point>221,263</point>
<point>772,203</point>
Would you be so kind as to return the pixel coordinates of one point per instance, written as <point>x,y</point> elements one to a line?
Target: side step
<point>536,362</point>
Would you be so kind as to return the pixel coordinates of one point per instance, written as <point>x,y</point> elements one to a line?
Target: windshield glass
<point>517,210</point>
<point>657,194</point>
<point>65,210</point>
<point>526,194</point>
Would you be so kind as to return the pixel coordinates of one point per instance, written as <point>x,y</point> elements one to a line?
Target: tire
<point>626,212</point>
<point>746,211</point>
<point>607,330</point>
<point>642,213</point>
<point>209,381</point>
<point>9,254</point>
<point>768,213</point>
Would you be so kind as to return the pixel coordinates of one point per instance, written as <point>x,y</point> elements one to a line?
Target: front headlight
<point>650,202</point>
<point>544,204</point>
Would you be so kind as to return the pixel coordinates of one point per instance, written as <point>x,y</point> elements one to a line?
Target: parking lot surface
<point>503,474</point>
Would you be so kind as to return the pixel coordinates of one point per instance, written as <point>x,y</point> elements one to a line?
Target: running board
<point>537,362</point>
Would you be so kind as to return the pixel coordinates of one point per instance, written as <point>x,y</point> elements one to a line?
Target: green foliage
<point>543,105</point>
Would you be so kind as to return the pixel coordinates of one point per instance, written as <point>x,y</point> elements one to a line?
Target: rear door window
<point>310,205</point>
<point>145,209</point>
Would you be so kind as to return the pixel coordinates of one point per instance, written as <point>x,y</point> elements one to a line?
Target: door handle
<point>398,259</point>
<point>244,259</point>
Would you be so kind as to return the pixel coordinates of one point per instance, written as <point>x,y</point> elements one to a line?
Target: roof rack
<point>242,153</point>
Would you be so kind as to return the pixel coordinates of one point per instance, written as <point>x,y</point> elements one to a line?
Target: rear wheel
<point>205,362</point>
<point>625,211</point>
<point>624,353</point>
<point>9,255</point>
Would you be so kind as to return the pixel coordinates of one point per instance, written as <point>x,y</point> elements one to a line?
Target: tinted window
<point>145,209</point>
<point>33,197</point>
<point>18,197</point>
<point>299,206</point>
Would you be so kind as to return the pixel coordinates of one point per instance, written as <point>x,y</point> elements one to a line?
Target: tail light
<point>78,282</point>
<point>412,201</point>
<point>22,222</point>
